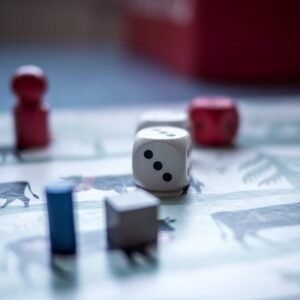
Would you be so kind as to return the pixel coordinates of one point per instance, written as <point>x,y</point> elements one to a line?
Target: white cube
<point>132,219</point>
<point>161,159</point>
<point>163,118</point>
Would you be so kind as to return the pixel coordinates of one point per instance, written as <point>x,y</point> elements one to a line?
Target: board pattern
<point>234,234</point>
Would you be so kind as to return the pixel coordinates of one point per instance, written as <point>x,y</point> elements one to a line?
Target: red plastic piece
<point>29,84</point>
<point>232,39</point>
<point>214,121</point>
<point>166,30</point>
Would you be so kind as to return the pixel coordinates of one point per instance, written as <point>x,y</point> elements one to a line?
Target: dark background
<point>81,45</point>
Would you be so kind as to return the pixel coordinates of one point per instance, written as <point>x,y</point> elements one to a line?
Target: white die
<point>163,118</point>
<point>161,159</point>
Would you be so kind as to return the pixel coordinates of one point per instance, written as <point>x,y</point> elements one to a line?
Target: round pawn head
<point>29,83</point>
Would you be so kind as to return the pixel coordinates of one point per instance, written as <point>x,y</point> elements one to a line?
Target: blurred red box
<point>218,39</point>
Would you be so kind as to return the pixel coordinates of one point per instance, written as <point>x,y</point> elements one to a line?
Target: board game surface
<point>235,234</point>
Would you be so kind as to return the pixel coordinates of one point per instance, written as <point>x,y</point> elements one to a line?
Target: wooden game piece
<point>161,159</point>
<point>31,114</point>
<point>163,118</point>
<point>132,219</point>
<point>61,218</point>
<point>214,121</point>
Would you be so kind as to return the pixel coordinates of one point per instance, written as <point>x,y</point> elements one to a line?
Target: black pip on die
<point>161,159</point>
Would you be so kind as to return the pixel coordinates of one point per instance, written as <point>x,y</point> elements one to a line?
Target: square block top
<point>164,116</point>
<point>132,201</point>
<point>59,188</point>
<point>162,133</point>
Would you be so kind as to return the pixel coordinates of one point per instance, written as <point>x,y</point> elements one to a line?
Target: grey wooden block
<point>132,219</point>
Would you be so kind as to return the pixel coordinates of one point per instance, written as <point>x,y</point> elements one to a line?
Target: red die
<point>214,120</point>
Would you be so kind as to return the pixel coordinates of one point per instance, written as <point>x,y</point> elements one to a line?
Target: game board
<point>235,234</point>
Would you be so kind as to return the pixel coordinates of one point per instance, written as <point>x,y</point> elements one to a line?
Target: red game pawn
<point>214,120</point>
<point>29,84</point>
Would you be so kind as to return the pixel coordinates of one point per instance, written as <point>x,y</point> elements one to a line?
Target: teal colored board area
<point>106,75</point>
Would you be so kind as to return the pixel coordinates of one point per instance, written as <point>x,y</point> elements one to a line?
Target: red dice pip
<point>214,121</point>
<point>29,84</point>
